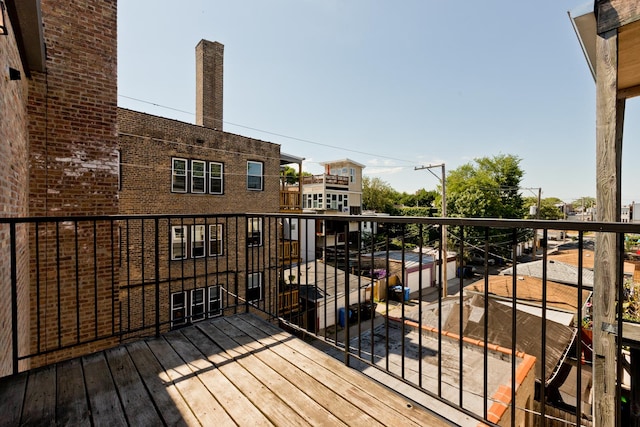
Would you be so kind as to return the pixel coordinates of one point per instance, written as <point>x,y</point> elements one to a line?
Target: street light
<point>444,259</point>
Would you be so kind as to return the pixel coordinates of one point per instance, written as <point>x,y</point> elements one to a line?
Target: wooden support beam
<point>609,124</point>
<point>614,14</point>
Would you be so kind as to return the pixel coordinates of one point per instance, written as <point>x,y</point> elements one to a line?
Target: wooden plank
<point>173,409</point>
<point>202,403</point>
<point>272,377</point>
<point>231,399</point>
<point>137,403</point>
<point>103,397</point>
<point>609,117</point>
<point>257,393</point>
<point>11,395</point>
<point>40,398</point>
<point>613,14</point>
<point>382,403</point>
<point>72,408</point>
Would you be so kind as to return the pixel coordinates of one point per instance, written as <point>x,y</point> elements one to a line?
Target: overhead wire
<point>278,134</point>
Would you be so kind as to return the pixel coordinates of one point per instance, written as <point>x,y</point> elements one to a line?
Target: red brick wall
<point>72,111</point>
<point>148,144</point>
<point>14,188</point>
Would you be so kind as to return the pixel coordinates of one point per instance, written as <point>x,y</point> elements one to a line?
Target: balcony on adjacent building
<point>326,179</point>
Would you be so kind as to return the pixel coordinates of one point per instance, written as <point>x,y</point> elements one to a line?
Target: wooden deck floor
<point>234,370</point>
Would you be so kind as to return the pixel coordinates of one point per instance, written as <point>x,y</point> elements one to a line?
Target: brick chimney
<point>209,71</point>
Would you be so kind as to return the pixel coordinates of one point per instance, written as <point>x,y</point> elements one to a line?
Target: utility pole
<point>443,261</point>
<point>535,232</point>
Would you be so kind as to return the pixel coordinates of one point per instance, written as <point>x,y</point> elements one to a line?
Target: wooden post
<point>609,121</point>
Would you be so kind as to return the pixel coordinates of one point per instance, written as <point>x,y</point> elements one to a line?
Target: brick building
<point>172,167</point>
<point>59,106</point>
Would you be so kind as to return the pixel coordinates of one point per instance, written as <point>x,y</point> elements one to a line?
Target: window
<point>191,241</point>
<point>254,287</point>
<point>197,241</point>
<point>214,307</point>
<point>254,175</point>
<point>352,175</point>
<point>254,231</point>
<point>178,242</point>
<point>216,239</point>
<point>197,176</point>
<point>195,305</point>
<point>179,175</point>
<point>215,178</point>
<point>178,309</point>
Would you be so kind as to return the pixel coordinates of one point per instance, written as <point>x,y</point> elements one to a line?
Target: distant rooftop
<point>557,271</point>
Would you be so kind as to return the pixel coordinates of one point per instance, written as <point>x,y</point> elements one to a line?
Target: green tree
<point>421,198</point>
<point>488,187</point>
<point>548,208</point>
<point>586,202</point>
<point>378,195</point>
<point>290,175</point>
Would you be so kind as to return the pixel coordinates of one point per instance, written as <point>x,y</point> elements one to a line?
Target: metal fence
<point>372,288</point>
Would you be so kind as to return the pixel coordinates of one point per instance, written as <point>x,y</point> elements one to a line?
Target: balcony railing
<point>290,201</point>
<point>290,251</point>
<point>501,351</point>
<point>326,179</point>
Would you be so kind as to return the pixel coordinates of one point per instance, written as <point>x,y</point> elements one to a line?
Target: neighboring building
<point>634,212</point>
<point>625,214</point>
<point>440,355</point>
<point>58,97</point>
<point>338,191</point>
<point>561,309</point>
<point>172,167</point>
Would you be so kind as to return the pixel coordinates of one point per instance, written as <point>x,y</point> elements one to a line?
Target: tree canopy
<point>378,195</point>
<point>548,207</point>
<point>488,187</point>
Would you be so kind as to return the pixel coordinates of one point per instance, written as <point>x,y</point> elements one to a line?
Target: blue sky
<point>390,84</point>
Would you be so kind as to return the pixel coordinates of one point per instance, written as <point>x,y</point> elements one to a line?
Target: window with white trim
<point>214,303</point>
<point>254,231</point>
<point>195,305</point>
<point>254,287</point>
<point>178,242</point>
<point>254,175</point>
<point>352,175</point>
<point>216,240</point>
<point>198,176</point>
<point>197,241</point>
<point>179,175</point>
<point>338,202</point>
<point>178,309</point>
<point>216,171</point>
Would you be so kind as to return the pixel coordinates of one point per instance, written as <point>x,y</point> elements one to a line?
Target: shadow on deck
<point>236,370</point>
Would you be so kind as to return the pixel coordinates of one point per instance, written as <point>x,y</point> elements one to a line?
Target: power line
<point>293,138</point>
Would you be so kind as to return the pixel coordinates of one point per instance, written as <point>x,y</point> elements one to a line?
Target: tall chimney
<point>209,71</point>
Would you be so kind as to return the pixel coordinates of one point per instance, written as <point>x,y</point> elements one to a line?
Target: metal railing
<point>290,200</point>
<point>326,179</point>
<point>75,284</point>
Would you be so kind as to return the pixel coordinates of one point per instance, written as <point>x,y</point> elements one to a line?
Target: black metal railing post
<point>14,297</point>
<point>157,273</point>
